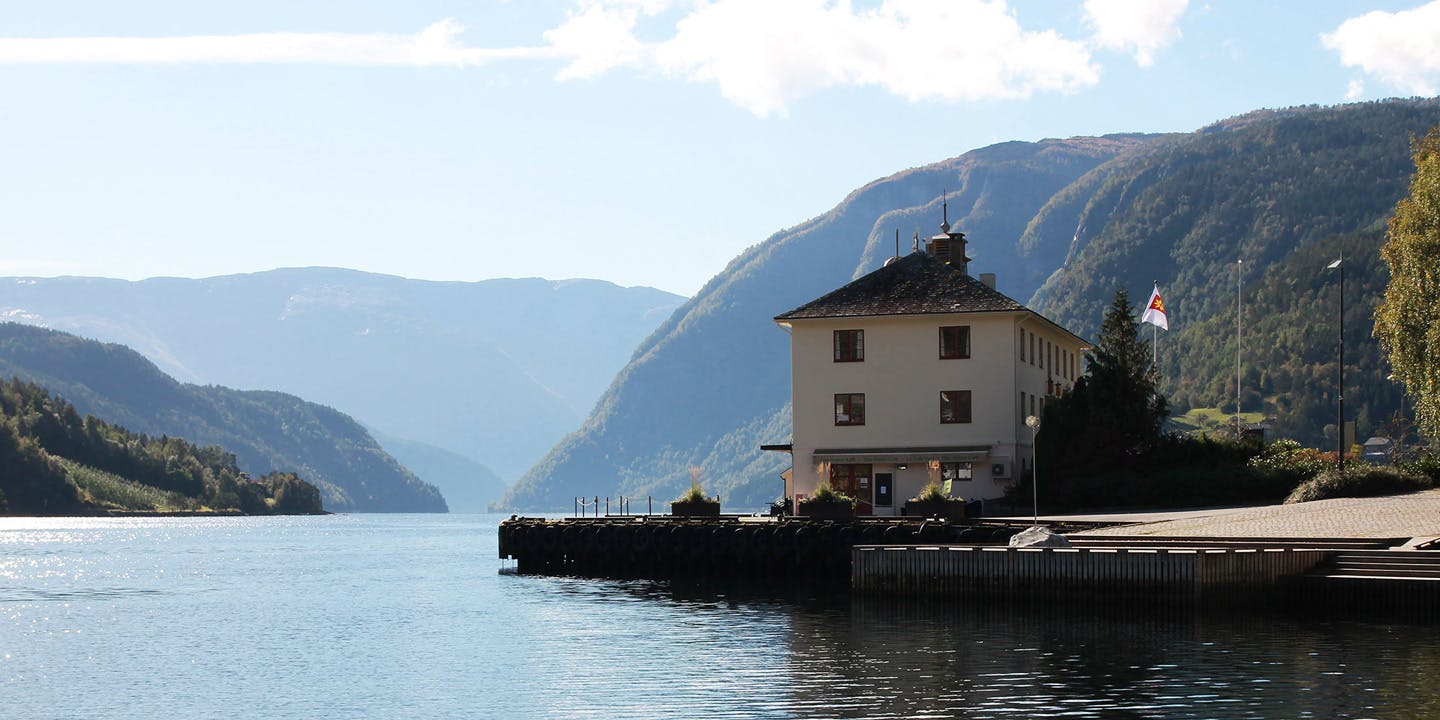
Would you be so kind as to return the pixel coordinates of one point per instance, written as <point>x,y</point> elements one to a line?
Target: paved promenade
<point>1416,515</point>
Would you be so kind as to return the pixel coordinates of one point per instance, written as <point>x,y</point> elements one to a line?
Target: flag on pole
<point>1155,311</point>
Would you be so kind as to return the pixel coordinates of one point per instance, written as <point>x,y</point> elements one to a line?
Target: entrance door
<point>884,489</point>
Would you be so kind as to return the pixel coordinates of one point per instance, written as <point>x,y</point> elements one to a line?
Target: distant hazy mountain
<point>494,371</point>
<point>267,431</point>
<point>1064,223</point>
<point>468,486</point>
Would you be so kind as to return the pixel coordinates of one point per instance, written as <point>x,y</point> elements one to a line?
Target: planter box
<point>820,510</point>
<point>696,508</point>
<point>948,509</point>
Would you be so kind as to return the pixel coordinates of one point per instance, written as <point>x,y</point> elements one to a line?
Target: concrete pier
<point>1152,573</point>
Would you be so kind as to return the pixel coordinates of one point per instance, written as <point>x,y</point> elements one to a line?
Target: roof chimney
<point>988,279</point>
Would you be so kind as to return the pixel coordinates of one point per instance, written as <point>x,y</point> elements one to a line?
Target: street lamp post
<point>1034,424</point>
<point>1340,387</point>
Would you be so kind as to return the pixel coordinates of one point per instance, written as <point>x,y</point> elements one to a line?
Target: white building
<point>916,372</point>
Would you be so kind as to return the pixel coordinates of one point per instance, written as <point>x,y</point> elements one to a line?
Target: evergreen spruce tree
<point>1110,421</point>
<point>1122,386</point>
<point>1407,323</point>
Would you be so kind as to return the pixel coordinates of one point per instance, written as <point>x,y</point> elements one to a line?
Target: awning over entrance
<point>949,453</point>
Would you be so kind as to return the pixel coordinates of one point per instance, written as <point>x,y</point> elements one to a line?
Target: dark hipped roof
<point>916,284</point>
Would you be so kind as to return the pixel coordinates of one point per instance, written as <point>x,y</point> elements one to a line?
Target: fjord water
<point>410,616</point>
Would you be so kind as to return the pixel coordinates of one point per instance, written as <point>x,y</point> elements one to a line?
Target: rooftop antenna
<point>897,242</point>
<point>945,212</point>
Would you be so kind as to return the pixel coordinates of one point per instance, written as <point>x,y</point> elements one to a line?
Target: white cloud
<point>1401,49</point>
<point>765,54</point>
<point>601,37</point>
<point>435,45</point>
<point>1143,27</point>
<point>762,54</point>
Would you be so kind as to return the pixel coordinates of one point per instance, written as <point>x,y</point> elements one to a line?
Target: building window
<point>954,342</point>
<point>955,472</point>
<point>1032,405</point>
<point>955,406</point>
<point>1032,348</point>
<point>849,346</point>
<point>1022,345</point>
<point>852,480</point>
<point>850,409</point>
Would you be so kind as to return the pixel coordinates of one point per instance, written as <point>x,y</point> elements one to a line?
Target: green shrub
<point>1288,460</point>
<point>827,494</point>
<point>694,494</point>
<point>1359,482</point>
<point>932,492</point>
<point>1427,465</point>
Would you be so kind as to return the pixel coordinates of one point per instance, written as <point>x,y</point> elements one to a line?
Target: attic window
<point>954,342</point>
<point>849,346</point>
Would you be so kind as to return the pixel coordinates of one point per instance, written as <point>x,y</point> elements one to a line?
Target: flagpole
<point>1239,263</point>
<point>1155,344</point>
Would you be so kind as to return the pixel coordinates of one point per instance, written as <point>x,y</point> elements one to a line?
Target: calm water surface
<point>369,616</point>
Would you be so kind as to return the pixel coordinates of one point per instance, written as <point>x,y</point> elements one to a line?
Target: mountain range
<point>1064,224</point>
<point>466,382</point>
<point>267,431</point>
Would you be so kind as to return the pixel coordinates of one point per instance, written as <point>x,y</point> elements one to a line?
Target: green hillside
<point>53,461</point>
<point>1064,223</point>
<point>267,431</point>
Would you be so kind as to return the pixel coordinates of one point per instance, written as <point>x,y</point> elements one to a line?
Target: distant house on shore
<point>1377,450</point>
<point>919,372</point>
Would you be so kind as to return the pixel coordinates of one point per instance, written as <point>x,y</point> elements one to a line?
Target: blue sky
<point>646,142</point>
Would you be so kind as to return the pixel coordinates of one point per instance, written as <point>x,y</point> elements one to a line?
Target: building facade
<point>919,372</point>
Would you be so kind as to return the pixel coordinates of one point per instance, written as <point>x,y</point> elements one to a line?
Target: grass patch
<point>111,491</point>
<point>1206,421</point>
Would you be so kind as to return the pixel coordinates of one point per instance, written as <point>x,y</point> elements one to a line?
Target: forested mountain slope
<point>267,431</point>
<point>55,462</point>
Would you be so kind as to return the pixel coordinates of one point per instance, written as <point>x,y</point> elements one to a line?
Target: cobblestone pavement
<point>1414,515</point>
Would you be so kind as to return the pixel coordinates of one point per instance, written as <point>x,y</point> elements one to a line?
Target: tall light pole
<point>1339,264</point>
<point>1034,424</point>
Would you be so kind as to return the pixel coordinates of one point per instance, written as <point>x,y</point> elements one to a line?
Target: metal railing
<point>590,507</point>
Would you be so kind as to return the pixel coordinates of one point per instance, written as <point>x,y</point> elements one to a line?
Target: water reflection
<point>817,652</point>
<point>874,659</point>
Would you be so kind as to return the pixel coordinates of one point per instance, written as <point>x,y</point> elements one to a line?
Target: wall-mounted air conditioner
<point>1000,469</point>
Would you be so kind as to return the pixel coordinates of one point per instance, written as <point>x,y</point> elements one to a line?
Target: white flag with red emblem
<point>1155,311</point>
